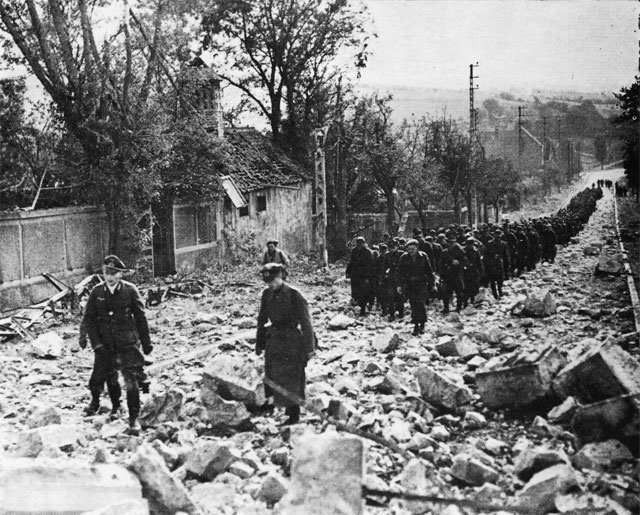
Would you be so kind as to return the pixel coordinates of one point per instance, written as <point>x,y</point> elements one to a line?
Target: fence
<point>67,243</point>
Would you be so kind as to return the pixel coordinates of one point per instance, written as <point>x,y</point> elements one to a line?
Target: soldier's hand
<point>147,349</point>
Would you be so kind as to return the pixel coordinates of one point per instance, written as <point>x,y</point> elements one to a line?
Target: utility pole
<point>320,184</point>
<point>473,127</point>
<point>547,185</point>
<point>521,115</point>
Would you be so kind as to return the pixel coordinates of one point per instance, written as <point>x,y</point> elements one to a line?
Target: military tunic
<point>287,341</point>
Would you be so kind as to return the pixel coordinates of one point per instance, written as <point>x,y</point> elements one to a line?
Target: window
<point>244,211</point>
<point>206,218</point>
<point>195,225</point>
<point>262,203</point>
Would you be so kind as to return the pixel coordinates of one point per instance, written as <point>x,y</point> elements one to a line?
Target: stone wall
<point>67,243</point>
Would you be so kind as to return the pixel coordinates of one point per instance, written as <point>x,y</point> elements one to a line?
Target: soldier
<point>437,253</point>
<point>548,238</point>
<point>535,248</point>
<point>361,270</point>
<point>522,246</point>
<point>496,262</point>
<point>274,255</point>
<point>416,281</point>
<point>512,246</point>
<point>381,280</point>
<point>451,273</point>
<point>288,342</point>
<point>474,271</point>
<point>395,300</point>
<point>117,325</point>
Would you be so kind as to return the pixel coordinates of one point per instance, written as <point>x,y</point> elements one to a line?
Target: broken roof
<point>256,163</point>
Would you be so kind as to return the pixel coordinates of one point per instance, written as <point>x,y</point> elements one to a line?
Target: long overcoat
<point>285,333</point>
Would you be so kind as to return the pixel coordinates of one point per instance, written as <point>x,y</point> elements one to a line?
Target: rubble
<point>34,486</point>
<point>235,378</point>
<point>472,471</point>
<point>537,303</point>
<point>53,436</point>
<point>601,455</point>
<point>340,322</point>
<point>47,345</point>
<point>609,265</point>
<point>442,388</point>
<point>534,459</point>
<point>326,476</point>
<point>273,488</point>
<point>543,488</point>
<point>44,416</point>
<point>563,413</point>
<point>461,346</point>
<point>208,459</point>
<point>519,378</point>
<point>162,408</point>
<point>223,413</point>
<point>386,341</point>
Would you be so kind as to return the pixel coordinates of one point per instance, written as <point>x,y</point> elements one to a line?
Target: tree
<point>112,99</point>
<point>498,181</point>
<point>627,121</point>
<point>600,144</point>
<point>282,53</point>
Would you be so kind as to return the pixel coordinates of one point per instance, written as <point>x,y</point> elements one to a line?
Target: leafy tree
<point>498,181</point>
<point>282,53</point>
<point>627,121</point>
<point>600,144</point>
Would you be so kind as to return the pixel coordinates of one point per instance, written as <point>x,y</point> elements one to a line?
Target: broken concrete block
<point>534,459</point>
<point>326,476</point>
<point>340,321</point>
<point>539,303</point>
<point>519,378</point>
<point>165,493</point>
<point>43,416</point>
<point>55,436</point>
<point>62,486</point>
<point>386,341</point>
<point>443,389</point>
<point>340,410</point>
<point>605,371</point>
<point>241,469</point>
<point>235,378</point>
<point>609,265</point>
<point>461,346</point>
<point>273,488</point>
<point>137,507</point>
<point>48,345</point>
<point>591,250</point>
<point>540,492</point>
<point>394,381</point>
<point>208,459</point>
<point>170,455</point>
<point>223,413</point>
<point>563,413</point>
<point>473,420</point>
<point>398,431</point>
<point>589,503</point>
<point>213,497</point>
<point>601,455</point>
<point>160,408</point>
<point>472,471</point>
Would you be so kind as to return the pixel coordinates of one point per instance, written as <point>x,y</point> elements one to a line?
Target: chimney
<point>201,96</point>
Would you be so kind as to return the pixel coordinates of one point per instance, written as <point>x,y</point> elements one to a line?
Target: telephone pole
<point>320,184</point>
<point>521,115</point>
<point>473,127</point>
<point>547,185</point>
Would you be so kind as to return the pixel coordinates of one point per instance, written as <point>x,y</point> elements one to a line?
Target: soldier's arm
<point>261,334</point>
<point>302,309</point>
<point>140,316</point>
<point>90,319</point>
<point>428,270</point>
<point>284,258</point>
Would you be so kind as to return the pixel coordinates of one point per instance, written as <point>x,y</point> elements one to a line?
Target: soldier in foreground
<point>117,327</point>
<point>286,336</point>
<point>416,280</point>
<point>362,272</point>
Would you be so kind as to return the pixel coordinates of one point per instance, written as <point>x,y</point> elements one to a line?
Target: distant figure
<point>362,272</point>
<point>274,255</point>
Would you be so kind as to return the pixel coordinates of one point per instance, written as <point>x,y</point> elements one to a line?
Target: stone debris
<point>617,418</point>
<point>34,486</point>
<point>137,507</point>
<point>165,493</point>
<point>340,322</point>
<point>48,345</point>
<point>609,265</point>
<point>31,443</point>
<point>472,471</point>
<point>224,413</point>
<point>162,408</point>
<point>543,488</point>
<point>534,459</point>
<point>605,371</point>
<point>235,378</point>
<point>461,346</point>
<point>519,378</point>
<point>326,476</point>
<point>209,459</point>
<point>273,488</point>
<point>386,341</point>
<point>538,303</point>
<point>44,416</point>
<point>601,455</point>
<point>563,413</point>
<point>445,389</point>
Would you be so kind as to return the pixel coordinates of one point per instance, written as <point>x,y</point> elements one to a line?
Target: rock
<point>440,433</point>
<point>43,416</point>
<point>138,507</point>
<point>208,459</point>
<point>326,476</point>
<point>34,486</point>
<point>591,250</point>
<point>160,408</point>
<point>589,503</point>
<point>345,385</point>
<point>113,429</point>
<point>246,323</point>
<point>601,455</point>
<point>165,493</point>
<point>420,441</point>
<point>443,389</point>
<point>386,341</point>
<point>472,471</point>
<point>605,371</point>
<point>414,479</point>
<point>534,459</point>
<point>223,413</point>
<point>214,497</point>
<point>235,378</point>
<point>519,378</point>
<point>539,303</point>
<point>47,345</point>
<point>541,427</point>
<point>372,368</point>
<point>280,457</point>
<point>473,420</point>
<point>393,382</point>
<point>170,455</point>
<point>340,321</point>
<point>540,492</point>
<point>493,335</point>
<point>56,436</point>
<point>609,265</point>
<point>273,488</point>
<point>241,469</point>
<point>492,445</point>
<point>462,346</point>
<point>398,431</point>
<point>563,414</point>
<point>340,410</point>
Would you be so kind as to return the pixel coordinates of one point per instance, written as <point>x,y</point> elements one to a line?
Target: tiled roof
<point>256,163</point>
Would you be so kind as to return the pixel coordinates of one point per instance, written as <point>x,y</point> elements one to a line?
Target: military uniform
<point>395,300</point>
<point>473,273</point>
<point>452,268</point>
<point>361,270</point>
<point>496,263</point>
<point>416,277</point>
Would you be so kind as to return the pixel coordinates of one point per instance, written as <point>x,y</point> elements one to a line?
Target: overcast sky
<point>582,45</point>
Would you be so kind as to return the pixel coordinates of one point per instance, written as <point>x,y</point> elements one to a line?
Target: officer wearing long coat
<point>362,272</point>
<point>474,271</point>
<point>496,262</point>
<point>286,336</point>
<point>395,300</point>
<point>117,327</point>
<point>416,279</point>
<point>452,265</point>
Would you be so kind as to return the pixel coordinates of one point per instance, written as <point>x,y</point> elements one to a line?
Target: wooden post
<point>320,186</point>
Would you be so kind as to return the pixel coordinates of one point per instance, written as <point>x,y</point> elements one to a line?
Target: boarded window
<point>262,203</point>
<point>195,225</point>
<point>244,211</point>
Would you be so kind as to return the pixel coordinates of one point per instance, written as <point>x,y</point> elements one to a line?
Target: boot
<point>93,407</point>
<point>115,412</point>
<point>134,427</point>
<point>416,330</point>
<point>421,328</point>
<point>294,415</point>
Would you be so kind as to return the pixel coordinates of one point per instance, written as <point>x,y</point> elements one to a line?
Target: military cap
<point>451,237</point>
<point>417,231</point>
<point>412,242</point>
<point>271,270</point>
<point>275,242</point>
<point>359,238</point>
<point>115,263</point>
<point>429,238</point>
<point>393,244</point>
<point>469,241</point>
<point>383,246</point>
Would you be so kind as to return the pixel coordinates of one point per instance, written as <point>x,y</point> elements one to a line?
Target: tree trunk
<point>342,227</point>
<point>391,212</point>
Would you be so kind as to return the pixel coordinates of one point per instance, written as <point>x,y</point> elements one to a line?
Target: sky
<point>582,45</point>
